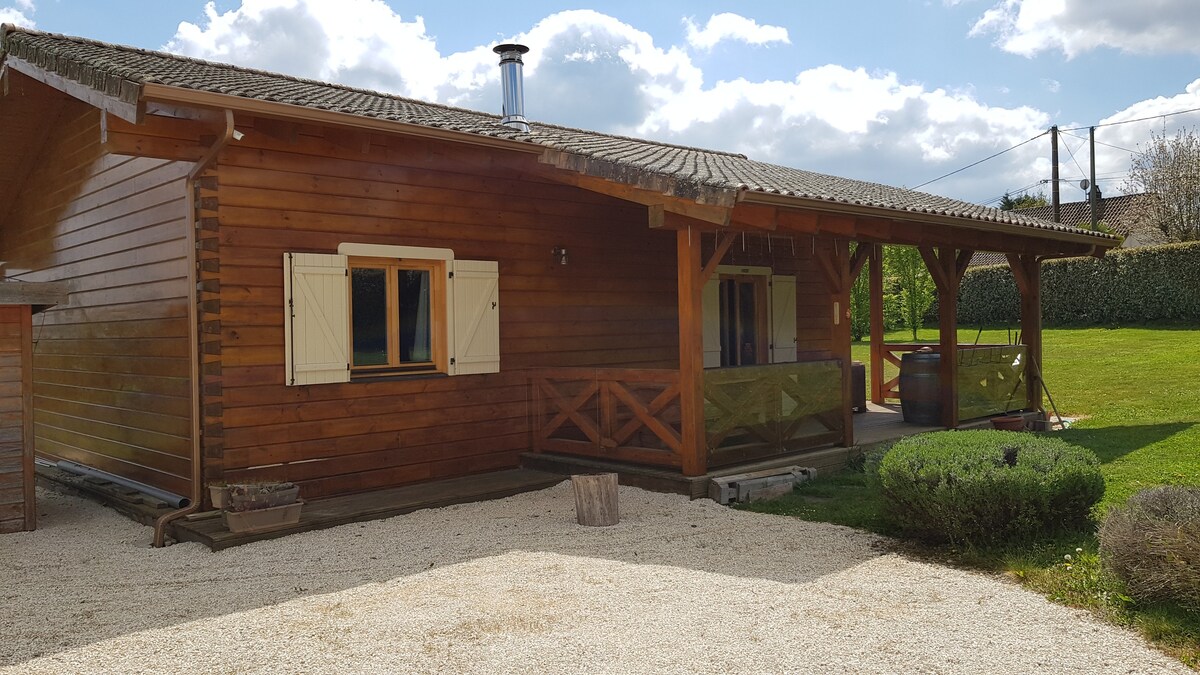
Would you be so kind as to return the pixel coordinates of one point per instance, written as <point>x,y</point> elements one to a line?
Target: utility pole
<point>1054,173</point>
<point>1092,192</point>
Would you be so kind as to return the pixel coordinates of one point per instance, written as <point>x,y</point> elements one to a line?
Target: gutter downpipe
<point>160,525</point>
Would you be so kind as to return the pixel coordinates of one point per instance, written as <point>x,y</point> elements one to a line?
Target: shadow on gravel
<point>87,575</point>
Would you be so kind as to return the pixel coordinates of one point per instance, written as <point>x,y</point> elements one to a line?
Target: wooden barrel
<point>921,388</point>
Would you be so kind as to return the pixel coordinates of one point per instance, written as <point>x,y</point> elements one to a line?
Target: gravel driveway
<point>516,586</point>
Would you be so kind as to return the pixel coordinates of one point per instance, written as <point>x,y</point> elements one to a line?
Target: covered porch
<point>678,427</point>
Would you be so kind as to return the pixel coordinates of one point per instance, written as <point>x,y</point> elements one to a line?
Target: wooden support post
<point>836,267</point>
<point>596,500</point>
<point>875,272</point>
<point>1026,269</point>
<point>944,266</point>
<point>693,444</point>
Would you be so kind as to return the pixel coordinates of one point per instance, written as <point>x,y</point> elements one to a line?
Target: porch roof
<point>120,79</point>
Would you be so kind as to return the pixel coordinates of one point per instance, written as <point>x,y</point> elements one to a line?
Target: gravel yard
<point>516,586</point>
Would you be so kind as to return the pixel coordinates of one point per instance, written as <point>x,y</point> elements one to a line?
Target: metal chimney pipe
<point>512,81</point>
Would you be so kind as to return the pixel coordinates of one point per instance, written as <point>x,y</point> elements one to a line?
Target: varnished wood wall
<point>297,188</point>
<point>111,368</point>
<point>16,461</point>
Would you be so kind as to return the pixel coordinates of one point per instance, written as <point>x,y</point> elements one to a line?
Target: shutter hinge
<point>451,360</point>
<point>452,275</point>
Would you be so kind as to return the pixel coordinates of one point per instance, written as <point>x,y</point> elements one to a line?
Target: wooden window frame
<point>438,311</point>
<point>762,319</point>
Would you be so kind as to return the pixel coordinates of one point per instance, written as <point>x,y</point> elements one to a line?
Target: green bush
<point>1153,545</point>
<point>988,487</point>
<point>1126,286</point>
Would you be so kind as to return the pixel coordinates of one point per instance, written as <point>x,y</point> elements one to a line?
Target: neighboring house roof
<point>1116,212</point>
<point>1125,214</point>
<point>706,176</point>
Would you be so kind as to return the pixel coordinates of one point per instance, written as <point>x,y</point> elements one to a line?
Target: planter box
<point>260,520</point>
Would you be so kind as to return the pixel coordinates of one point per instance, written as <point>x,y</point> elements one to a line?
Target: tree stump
<point>596,499</point>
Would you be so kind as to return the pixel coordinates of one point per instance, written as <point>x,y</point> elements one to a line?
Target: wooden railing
<point>623,414</point>
<point>753,412</point>
<point>989,376</point>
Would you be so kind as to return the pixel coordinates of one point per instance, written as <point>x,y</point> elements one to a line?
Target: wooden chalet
<point>274,278</point>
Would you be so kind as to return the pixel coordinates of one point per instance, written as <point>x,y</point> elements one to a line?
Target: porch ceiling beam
<point>713,215</point>
<point>723,243</point>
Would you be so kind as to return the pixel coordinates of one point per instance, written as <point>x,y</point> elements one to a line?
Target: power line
<point>1110,145</point>
<point>928,182</point>
<point>1140,119</point>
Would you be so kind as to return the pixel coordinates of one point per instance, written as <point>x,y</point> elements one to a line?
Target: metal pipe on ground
<point>173,500</point>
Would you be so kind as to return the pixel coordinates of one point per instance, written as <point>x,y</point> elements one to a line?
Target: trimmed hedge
<point>1153,544</point>
<point>1126,286</point>
<point>987,487</point>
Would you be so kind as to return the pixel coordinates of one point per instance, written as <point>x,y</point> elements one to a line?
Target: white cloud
<point>728,26</point>
<point>590,70</point>
<point>1028,27</point>
<point>19,15</point>
<point>1051,85</point>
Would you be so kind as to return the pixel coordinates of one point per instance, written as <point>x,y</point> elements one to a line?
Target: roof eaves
<point>109,91</point>
<point>1044,230</point>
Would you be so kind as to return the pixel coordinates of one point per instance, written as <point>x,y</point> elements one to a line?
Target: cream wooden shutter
<point>783,319</point>
<point>316,314</point>
<point>710,304</point>
<point>475,317</point>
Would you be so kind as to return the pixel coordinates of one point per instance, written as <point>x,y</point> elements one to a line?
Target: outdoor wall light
<point>560,255</point>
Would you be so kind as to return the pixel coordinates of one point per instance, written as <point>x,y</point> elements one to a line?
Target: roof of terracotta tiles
<point>121,72</point>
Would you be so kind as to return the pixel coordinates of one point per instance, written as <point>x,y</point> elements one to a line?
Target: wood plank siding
<point>111,369</point>
<point>16,461</point>
<point>307,189</point>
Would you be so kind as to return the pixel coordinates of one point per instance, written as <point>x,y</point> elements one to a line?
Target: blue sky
<point>894,91</point>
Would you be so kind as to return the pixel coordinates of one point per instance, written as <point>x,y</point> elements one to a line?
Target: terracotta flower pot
<point>1009,423</point>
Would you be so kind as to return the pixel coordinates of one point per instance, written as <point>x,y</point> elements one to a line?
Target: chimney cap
<point>510,47</point>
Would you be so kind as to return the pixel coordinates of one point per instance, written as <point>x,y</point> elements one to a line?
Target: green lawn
<point>1137,392</point>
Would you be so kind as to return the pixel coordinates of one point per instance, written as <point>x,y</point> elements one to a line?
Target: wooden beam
<point>725,240</point>
<point>861,253</point>
<point>875,274</point>
<point>1018,272</point>
<point>39,294</point>
<point>945,261</point>
<point>755,216</point>
<point>1026,270</point>
<point>693,444</point>
<point>830,262</point>
<point>656,216</point>
<point>935,267</point>
<point>961,263</point>
<point>840,261</point>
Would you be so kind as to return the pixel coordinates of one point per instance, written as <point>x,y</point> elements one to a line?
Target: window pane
<point>415,331</point>
<point>368,297</point>
<point>748,324</point>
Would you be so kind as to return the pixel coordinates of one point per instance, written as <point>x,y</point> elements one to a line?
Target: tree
<point>907,270</point>
<point>1022,201</point>
<point>1168,171</point>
